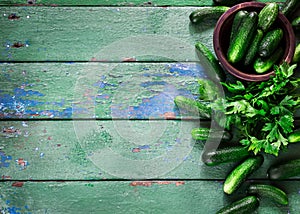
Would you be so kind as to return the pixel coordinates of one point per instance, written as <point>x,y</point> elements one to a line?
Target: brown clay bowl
<point>222,34</point>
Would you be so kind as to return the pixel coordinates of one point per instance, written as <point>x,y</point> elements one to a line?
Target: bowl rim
<point>222,57</point>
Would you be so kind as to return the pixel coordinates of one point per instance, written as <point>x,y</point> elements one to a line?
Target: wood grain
<point>101,33</point>
<point>170,196</point>
<point>111,2</point>
<point>98,90</point>
<point>104,149</point>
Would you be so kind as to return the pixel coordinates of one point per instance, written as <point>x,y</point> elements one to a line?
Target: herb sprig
<point>262,111</point>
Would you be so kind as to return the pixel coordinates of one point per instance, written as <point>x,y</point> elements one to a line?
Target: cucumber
<point>270,42</point>
<point>238,19</point>
<point>289,7</point>
<point>262,65</point>
<point>284,170</point>
<point>294,137</point>
<point>238,47</point>
<point>296,57</point>
<point>208,90</point>
<point>245,205</point>
<point>253,49</point>
<point>269,191</point>
<point>241,172</point>
<point>206,133</point>
<point>192,106</point>
<point>296,23</point>
<point>209,62</point>
<point>225,155</point>
<point>267,16</point>
<point>207,13</point>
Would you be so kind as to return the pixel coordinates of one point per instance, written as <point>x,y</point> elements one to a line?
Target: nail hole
<point>13,16</point>
<point>18,45</point>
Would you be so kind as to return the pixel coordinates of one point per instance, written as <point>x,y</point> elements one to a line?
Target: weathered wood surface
<point>98,90</point>
<point>111,2</point>
<point>101,33</point>
<point>117,149</point>
<point>113,123</point>
<point>128,197</point>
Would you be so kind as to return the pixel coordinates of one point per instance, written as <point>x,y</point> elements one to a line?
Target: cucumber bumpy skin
<point>296,57</point>
<point>270,42</point>
<point>241,172</point>
<point>206,133</point>
<point>238,47</point>
<point>245,205</point>
<point>262,65</point>
<point>209,62</point>
<point>253,49</point>
<point>289,7</point>
<point>192,106</point>
<point>208,13</point>
<point>267,16</point>
<point>237,21</point>
<point>284,170</point>
<point>225,155</point>
<point>269,191</point>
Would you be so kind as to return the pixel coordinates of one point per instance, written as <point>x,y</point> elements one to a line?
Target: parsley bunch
<point>262,111</point>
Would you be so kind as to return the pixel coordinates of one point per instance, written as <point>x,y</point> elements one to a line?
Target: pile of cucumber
<point>254,40</point>
<point>261,52</point>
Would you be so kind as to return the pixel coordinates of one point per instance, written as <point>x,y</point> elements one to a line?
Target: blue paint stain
<point>3,159</point>
<point>20,92</point>
<point>144,147</point>
<point>102,84</point>
<point>148,84</point>
<point>14,210</point>
<point>193,70</point>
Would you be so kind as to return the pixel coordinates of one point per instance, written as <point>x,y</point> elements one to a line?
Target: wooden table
<point>87,114</point>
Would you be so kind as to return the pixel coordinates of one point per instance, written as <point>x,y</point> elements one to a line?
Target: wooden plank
<point>114,2</point>
<point>101,33</point>
<point>101,90</point>
<point>131,197</point>
<point>117,149</point>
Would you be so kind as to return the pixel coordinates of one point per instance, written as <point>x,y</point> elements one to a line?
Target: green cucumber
<point>296,57</point>
<point>238,47</point>
<point>245,205</point>
<point>267,16</point>
<point>269,191</point>
<point>262,65</point>
<point>270,42</point>
<point>238,19</point>
<point>253,49</point>
<point>241,172</point>
<point>284,170</point>
<point>208,90</point>
<point>294,137</point>
<point>207,13</point>
<point>225,155</point>
<point>289,7</point>
<point>192,106</point>
<point>202,133</point>
<point>209,62</point>
<point>296,23</point>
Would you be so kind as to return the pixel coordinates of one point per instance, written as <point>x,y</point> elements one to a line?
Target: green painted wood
<point>117,149</point>
<point>114,2</point>
<point>131,197</point>
<point>101,33</point>
<point>101,90</point>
